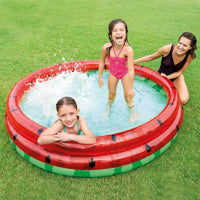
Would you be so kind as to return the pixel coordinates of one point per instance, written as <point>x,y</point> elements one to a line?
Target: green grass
<point>36,34</point>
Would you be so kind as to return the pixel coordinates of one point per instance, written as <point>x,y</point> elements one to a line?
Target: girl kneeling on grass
<point>69,125</point>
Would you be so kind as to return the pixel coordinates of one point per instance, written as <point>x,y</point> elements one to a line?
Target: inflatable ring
<point>112,154</point>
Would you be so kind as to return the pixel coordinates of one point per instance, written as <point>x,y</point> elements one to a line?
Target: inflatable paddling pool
<point>112,154</point>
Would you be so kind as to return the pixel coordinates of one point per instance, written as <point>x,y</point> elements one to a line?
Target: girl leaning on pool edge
<point>175,60</point>
<point>68,127</point>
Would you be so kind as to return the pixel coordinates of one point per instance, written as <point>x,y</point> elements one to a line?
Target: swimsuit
<point>167,64</point>
<point>117,65</point>
<point>79,131</point>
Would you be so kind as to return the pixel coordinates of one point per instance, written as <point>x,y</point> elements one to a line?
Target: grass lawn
<point>36,34</point>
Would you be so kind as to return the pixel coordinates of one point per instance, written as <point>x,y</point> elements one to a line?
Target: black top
<point>167,64</point>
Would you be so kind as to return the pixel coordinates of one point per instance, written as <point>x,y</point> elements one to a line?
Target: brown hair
<point>110,29</point>
<point>65,101</point>
<point>193,42</point>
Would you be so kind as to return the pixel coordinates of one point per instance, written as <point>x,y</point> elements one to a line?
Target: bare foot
<point>134,115</point>
<point>107,110</point>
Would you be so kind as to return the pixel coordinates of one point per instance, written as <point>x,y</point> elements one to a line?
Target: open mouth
<point>69,123</point>
<point>119,37</point>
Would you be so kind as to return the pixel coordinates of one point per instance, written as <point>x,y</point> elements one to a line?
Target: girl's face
<point>68,115</point>
<point>119,34</point>
<point>183,46</point>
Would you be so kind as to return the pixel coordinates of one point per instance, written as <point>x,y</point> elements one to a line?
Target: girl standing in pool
<point>69,125</point>
<point>121,59</point>
<point>175,60</point>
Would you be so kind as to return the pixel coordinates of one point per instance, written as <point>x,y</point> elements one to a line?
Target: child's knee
<point>111,96</point>
<point>128,98</point>
<point>184,100</point>
<point>129,101</point>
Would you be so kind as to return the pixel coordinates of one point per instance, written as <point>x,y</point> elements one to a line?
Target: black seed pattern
<point>40,131</point>
<point>15,136</point>
<point>114,138</point>
<point>13,110</point>
<point>47,159</point>
<point>148,148</point>
<point>159,121</point>
<point>92,163</point>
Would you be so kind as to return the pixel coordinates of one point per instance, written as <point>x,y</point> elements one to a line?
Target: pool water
<point>39,102</point>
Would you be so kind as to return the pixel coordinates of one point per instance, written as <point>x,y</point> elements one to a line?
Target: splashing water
<point>39,103</point>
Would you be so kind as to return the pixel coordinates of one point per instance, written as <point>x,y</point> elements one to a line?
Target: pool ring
<point>112,154</point>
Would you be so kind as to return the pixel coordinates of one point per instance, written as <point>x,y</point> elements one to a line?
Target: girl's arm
<point>102,63</point>
<point>49,135</point>
<point>130,65</point>
<point>178,73</point>
<point>86,138</point>
<point>163,51</point>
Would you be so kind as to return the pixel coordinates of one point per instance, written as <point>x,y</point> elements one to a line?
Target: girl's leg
<point>182,89</point>
<point>112,85</point>
<point>128,95</point>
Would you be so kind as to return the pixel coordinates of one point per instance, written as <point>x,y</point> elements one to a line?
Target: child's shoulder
<point>128,49</point>
<point>81,122</point>
<point>81,119</point>
<point>105,46</point>
<point>128,46</point>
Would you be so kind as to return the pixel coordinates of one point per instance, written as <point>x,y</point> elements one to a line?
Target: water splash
<point>149,101</point>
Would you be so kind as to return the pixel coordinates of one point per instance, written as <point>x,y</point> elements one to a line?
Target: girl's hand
<point>62,137</point>
<point>101,84</point>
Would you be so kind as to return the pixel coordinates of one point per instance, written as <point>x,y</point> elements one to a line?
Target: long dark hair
<point>193,42</point>
<point>110,29</point>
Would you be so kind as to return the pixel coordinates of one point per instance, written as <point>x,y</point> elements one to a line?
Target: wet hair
<point>193,42</point>
<point>112,25</point>
<point>65,101</point>
<point>110,29</point>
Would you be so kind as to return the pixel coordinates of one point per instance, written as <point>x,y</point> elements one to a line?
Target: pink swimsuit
<point>118,65</point>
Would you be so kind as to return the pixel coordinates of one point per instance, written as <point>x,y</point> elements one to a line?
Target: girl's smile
<point>68,115</point>
<point>119,34</point>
